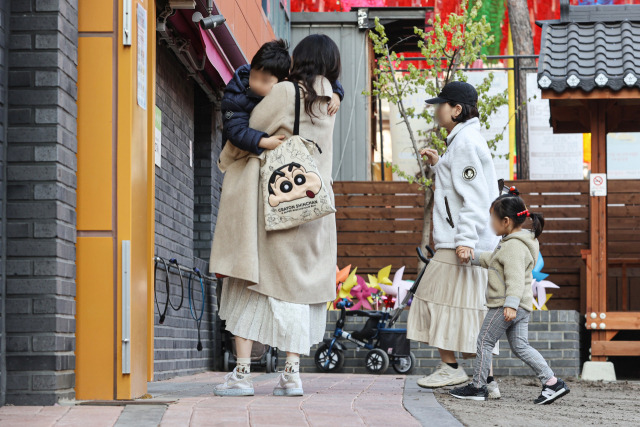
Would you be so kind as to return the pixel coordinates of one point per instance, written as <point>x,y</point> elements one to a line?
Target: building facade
<point>110,131</point>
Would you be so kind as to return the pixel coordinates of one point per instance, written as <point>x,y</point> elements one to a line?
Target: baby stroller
<point>386,345</point>
<point>262,355</point>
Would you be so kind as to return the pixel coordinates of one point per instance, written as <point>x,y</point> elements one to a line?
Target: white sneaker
<point>289,384</point>
<point>494,391</point>
<point>444,375</point>
<point>235,384</point>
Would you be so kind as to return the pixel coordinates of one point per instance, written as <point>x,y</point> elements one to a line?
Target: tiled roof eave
<point>562,66</point>
<point>586,85</point>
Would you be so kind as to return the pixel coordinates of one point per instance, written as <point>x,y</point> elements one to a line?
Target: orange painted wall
<point>115,201</point>
<point>248,23</point>
<point>96,239</point>
<point>134,216</point>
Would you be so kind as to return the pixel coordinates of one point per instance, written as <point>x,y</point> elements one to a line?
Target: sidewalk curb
<point>423,406</point>
<point>141,415</point>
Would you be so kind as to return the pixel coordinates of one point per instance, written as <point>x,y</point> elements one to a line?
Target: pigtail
<point>538,223</point>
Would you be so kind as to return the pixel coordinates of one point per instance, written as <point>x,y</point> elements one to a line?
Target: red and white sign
<point>598,185</point>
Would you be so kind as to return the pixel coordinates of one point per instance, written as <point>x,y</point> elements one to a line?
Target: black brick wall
<point>185,202</point>
<point>555,334</point>
<point>41,201</point>
<point>4,36</point>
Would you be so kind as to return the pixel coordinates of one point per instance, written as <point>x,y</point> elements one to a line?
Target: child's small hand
<point>334,104</point>
<point>509,314</point>
<point>465,254</point>
<point>272,142</point>
<point>432,155</point>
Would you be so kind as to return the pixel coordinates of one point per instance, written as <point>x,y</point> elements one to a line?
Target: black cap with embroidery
<point>458,92</point>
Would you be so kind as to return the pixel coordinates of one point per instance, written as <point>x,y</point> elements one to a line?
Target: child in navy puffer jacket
<point>251,83</point>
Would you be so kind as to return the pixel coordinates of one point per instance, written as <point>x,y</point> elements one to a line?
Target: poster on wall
<point>158,137</point>
<point>623,155</point>
<point>551,156</point>
<point>142,56</point>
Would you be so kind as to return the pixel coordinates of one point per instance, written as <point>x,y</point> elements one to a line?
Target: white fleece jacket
<point>465,187</point>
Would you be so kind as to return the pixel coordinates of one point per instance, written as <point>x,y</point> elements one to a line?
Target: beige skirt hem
<point>254,316</point>
<point>449,306</point>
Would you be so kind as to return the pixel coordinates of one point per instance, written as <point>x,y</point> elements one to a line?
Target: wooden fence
<point>380,223</point>
<point>623,245</point>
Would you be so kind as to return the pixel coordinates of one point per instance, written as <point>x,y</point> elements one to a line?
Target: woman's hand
<point>465,254</point>
<point>271,142</point>
<point>334,104</point>
<point>432,155</point>
<point>509,314</point>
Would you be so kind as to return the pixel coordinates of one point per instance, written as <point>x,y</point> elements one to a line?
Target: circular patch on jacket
<point>469,173</point>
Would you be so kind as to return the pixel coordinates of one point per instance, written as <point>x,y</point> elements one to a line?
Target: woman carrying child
<point>510,299</point>
<point>278,282</point>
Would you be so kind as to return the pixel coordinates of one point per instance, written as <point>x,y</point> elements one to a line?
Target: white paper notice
<point>158,137</point>
<point>142,56</point>
<point>551,156</point>
<point>623,155</point>
<point>598,186</point>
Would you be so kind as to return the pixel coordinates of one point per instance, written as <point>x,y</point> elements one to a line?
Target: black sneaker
<point>551,393</point>
<point>470,392</point>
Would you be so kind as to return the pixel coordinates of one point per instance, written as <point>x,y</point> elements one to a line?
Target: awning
<point>217,47</point>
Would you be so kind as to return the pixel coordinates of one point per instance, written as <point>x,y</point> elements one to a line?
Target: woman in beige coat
<point>278,282</point>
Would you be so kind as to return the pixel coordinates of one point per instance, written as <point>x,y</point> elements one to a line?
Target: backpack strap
<point>296,123</point>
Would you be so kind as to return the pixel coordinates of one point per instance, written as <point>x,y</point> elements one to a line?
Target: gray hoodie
<point>510,266</point>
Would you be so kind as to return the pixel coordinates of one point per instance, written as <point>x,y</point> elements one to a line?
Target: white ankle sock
<point>243,365</point>
<point>292,364</point>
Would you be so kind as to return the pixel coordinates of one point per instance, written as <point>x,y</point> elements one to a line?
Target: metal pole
<point>381,138</point>
<point>516,71</point>
<point>186,270</point>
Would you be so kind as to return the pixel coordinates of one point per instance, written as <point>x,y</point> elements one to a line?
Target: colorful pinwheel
<point>363,293</point>
<point>381,279</point>
<point>401,286</point>
<point>539,286</point>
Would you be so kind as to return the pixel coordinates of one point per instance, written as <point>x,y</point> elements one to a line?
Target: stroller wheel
<point>326,362</point>
<point>377,361</point>
<point>269,362</point>
<point>404,365</point>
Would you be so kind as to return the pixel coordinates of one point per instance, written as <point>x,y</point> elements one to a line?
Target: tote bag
<point>292,187</point>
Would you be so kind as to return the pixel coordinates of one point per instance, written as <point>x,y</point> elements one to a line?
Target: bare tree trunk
<point>522,37</point>
<point>426,220</point>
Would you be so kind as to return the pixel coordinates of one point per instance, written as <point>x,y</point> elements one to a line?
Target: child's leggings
<point>517,331</point>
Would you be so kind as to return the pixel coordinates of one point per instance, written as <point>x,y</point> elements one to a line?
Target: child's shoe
<point>551,393</point>
<point>470,392</point>
<point>289,384</point>
<point>235,384</point>
<point>494,391</point>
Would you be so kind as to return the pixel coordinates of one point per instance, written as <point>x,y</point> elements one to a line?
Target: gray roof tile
<point>589,42</point>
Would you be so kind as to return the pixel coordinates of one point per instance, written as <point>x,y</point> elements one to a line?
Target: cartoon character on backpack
<point>292,182</point>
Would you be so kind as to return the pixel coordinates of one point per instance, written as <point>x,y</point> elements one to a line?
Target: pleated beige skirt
<point>449,305</point>
<point>257,317</point>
